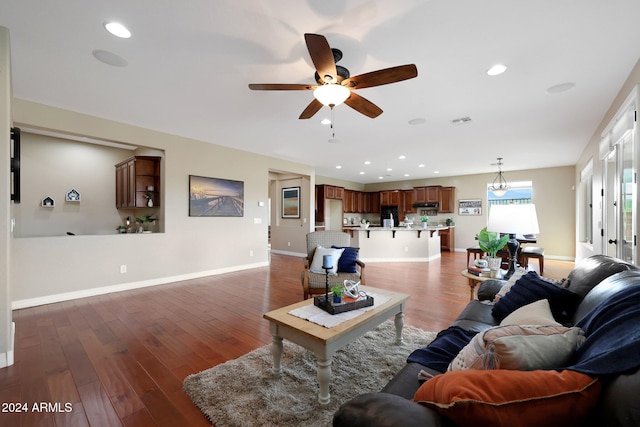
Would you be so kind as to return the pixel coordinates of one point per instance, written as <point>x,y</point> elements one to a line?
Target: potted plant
<point>121,229</point>
<point>143,222</point>
<point>337,291</point>
<point>424,219</point>
<point>490,243</point>
<point>149,198</point>
<point>449,221</point>
<point>364,223</point>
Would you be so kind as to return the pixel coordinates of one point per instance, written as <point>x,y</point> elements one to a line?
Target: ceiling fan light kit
<point>331,94</point>
<point>334,84</point>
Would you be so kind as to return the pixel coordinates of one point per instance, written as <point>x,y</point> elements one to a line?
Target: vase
<point>494,267</point>
<point>337,300</point>
<point>425,225</point>
<point>150,203</point>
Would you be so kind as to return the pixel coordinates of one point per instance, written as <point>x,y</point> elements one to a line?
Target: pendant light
<point>499,186</point>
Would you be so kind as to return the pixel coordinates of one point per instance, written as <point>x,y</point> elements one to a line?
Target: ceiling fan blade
<point>363,105</point>
<point>322,57</point>
<point>280,86</point>
<point>382,77</point>
<point>311,109</point>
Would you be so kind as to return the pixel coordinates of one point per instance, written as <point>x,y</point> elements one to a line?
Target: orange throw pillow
<point>510,398</point>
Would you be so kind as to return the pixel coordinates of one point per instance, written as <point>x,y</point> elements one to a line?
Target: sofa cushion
<point>530,288</point>
<point>519,347</point>
<point>536,313</point>
<point>593,270</point>
<point>441,351</point>
<point>533,398</point>
<point>347,261</point>
<point>318,258</point>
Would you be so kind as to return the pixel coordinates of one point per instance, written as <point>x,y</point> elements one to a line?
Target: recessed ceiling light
<point>436,171</point>
<point>418,121</point>
<point>367,162</point>
<point>402,157</point>
<point>109,58</point>
<point>461,121</point>
<point>389,169</point>
<point>421,165</point>
<point>117,29</point>
<point>406,174</point>
<point>562,87</point>
<point>326,122</point>
<point>380,177</point>
<point>497,70</point>
<point>338,167</point>
<point>362,173</point>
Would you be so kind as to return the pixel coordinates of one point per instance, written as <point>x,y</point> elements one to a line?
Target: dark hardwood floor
<point>120,359</point>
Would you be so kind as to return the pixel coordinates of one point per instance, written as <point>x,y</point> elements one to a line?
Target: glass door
<point>610,206</point>
<point>626,248</point>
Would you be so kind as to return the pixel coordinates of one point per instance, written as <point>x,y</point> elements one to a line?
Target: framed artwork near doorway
<point>291,202</point>
<point>215,197</point>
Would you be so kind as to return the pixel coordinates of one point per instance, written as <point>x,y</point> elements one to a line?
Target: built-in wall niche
<point>54,166</point>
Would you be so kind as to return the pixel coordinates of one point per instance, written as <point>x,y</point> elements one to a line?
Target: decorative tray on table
<point>347,303</point>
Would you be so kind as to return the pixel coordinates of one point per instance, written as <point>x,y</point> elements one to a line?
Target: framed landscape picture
<point>215,197</point>
<point>291,202</point>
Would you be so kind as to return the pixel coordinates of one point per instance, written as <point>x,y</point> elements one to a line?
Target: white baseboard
<point>6,359</point>
<point>49,299</point>
<point>423,259</point>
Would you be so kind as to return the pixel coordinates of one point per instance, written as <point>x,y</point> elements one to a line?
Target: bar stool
<point>476,251</point>
<point>533,252</point>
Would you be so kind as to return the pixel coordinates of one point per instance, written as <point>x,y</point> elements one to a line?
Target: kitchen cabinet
<point>408,201</point>
<point>332,192</point>
<point>138,182</point>
<point>326,192</point>
<point>348,205</point>
<point>447,243</point>
<point>446,200</point>
<point>390,198</point>
<point>372,202</point>
<point>432,194</point>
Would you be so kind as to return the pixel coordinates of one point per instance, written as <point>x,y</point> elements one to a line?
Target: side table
<point>474,280</point>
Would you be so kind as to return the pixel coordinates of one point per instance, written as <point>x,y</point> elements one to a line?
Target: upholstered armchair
<point>351,268</point>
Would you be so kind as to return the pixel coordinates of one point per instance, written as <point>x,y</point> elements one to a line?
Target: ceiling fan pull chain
<point>333,131</point>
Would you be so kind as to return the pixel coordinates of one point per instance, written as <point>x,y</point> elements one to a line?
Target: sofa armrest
<point>488,289</point>
<point>388,410</point>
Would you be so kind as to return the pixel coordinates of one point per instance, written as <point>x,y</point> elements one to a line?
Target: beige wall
<point>189,247</point>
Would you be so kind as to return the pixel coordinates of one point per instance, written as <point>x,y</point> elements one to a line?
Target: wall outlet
<point>288,243</point>
<point>123,269</point>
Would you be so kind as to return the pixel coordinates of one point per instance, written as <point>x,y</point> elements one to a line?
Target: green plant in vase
<point>490,243</point>
<point>144,220</point>
<point>424,219</point>
<point>337,291</point>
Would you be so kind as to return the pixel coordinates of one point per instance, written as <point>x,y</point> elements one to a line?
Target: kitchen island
<point>396,244</point>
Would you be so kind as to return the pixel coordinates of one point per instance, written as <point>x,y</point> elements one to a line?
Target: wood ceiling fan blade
<point>280,86</point>
<point>322,57</point>
<point>382,77</point>
<point>363,105</point>
<point>311,109</point>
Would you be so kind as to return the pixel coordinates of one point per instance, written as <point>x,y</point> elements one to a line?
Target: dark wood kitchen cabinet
<point>137,182</point>
<point>446,200</point>
<point>390,198</point>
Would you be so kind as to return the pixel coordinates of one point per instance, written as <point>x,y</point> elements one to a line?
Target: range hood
<point>426,205</point>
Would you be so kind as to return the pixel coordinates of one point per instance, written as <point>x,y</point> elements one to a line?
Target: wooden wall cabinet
<point>390,198</point>
<point>446,200</point>
<point>432,194</point>
<point>133,178</point>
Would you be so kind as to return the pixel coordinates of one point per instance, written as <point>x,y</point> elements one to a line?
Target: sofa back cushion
<point>593,270</point>
<point>603,290</point>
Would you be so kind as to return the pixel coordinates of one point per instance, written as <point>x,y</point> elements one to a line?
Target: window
<point>585,204</point>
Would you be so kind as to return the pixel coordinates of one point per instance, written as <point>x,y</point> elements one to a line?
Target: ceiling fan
<point>334,84</point>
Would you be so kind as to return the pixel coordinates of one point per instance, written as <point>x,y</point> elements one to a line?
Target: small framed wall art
<point>48,202</point>
<point>72,195</point>
<point>470,207</point>
<point>291,202</point>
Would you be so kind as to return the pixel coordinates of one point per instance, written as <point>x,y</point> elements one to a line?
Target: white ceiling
<point>189,63</point>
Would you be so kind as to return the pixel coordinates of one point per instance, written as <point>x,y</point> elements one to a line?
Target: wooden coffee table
<point>324,342</point>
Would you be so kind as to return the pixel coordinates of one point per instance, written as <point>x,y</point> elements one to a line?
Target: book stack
<point>479,271</point>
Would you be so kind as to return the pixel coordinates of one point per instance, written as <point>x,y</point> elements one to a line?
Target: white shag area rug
<point>244,391</point>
